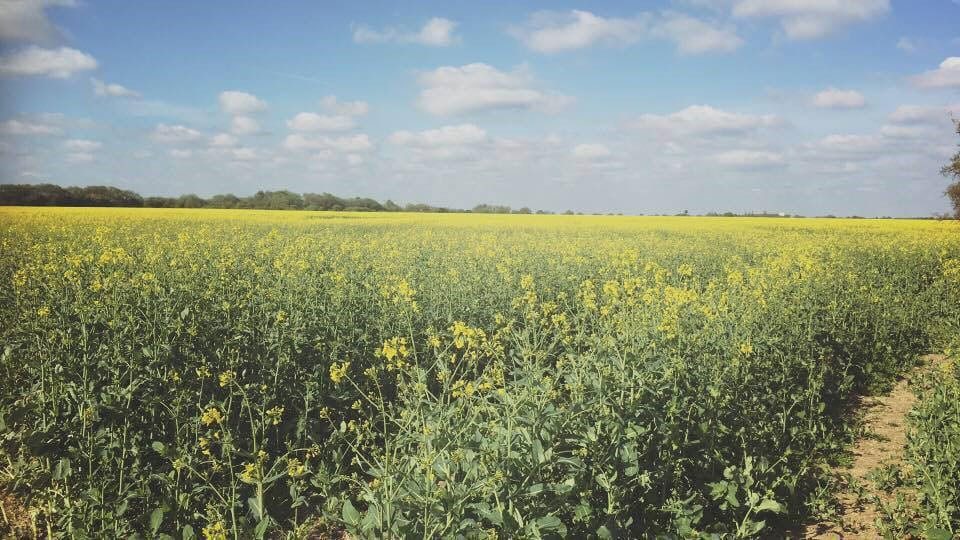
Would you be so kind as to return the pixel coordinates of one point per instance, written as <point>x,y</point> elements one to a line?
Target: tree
<point>952,170</point>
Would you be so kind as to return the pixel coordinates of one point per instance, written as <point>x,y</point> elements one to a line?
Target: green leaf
<point>550,523</point>
<point>255,508</point>
<point>732,497</point>
<point>538,451</point>
<point>62,469</point>
<point>938,534</point>
<point>159,447</point>
<point>187,533</point>
<point>261,528</point>
<point>156,519</point>
<point>771,505</point>
<point>185,312</point>
<point>349,513</point>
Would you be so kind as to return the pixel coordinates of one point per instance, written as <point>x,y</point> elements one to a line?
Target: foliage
<point>52,195</point>
<point>934,451</point>
<point>952,170</point>
<point>191,373</point>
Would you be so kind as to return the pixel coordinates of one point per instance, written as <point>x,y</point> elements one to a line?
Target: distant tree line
<point>53,195</point>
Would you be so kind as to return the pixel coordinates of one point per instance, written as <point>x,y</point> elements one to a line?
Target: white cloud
<point>705,120</point>
<point>904,131</point>
<point>244,154</point>
<point>26,20</point>
<point>102,89</point>
<point>27,127</point>
<point>175,134</point>
<point>436,32</point>
<point>80,157</point>
<point>463,134</point>
<point>906,44</point>
<point>845,146</point>
<point>478,87</point>
<point>833,98</point>
<point>591,151</point>
<point>811,19</point>
<point>946,76</point>
<point>181,154</point>
<point>238,103</point>
<point>55,63</point>
<point>223,140</point>
<point>345,108</point>
<point>244,125</point>
<point>551,32</point>
<point>347,144</point>
<point>694,36</point>
<point>82,145</point>
<point>749,159</point>
<point>307,121</point>
<point>916,114</point>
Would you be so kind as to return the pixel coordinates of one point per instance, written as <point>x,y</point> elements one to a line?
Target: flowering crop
<point>244,373</point>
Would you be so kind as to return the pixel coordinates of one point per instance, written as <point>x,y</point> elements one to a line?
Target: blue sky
<point>814,107</point>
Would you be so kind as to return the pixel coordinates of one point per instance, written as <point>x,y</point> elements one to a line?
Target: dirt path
<point>877,455</point>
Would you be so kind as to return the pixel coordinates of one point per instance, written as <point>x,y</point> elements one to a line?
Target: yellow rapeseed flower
<point>211,416</point>
<point>338,371</point>
<point>215,531</point>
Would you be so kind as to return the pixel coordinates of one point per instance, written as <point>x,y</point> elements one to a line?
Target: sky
<point>811,107</point>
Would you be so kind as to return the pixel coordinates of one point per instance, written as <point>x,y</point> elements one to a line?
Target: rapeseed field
<point>236,374</point>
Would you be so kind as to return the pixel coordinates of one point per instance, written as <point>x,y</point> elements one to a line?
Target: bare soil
<point>15,519</point>
<point>881,447</point>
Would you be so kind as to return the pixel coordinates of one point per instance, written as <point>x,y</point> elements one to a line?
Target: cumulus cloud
<point>479,87</point>
<point>103,89</point>
<point>237,103</point>
<point>749,159</point>
<point>918,122</point>
<point>26,20</point>
<point>243,154</point>
<point>82,145</point>
<point>463,143</point>
<point>694,36</point>
<point>462,134</point>
<point>946,76</point>
<point>177,153</point>
<point>244,125</point>
<point>844,146</point>
<point>346,108</point>
<point>436,32</point>
<point>705,120</point>
<point>28,127</point>
<point>54,63</point>
<point>906,44</point>
<point>590,151</point>
<point>347,144</point>
<point>902,131</point>
<point>551,32</point>
<point>80,157</point>
<point>307,121</point>
<point>223,140</point>
<point>811,19</point>
<point>175,134</point>
<point>834,98</point>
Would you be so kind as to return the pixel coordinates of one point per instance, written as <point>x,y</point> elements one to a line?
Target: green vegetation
<point>191,373</point>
